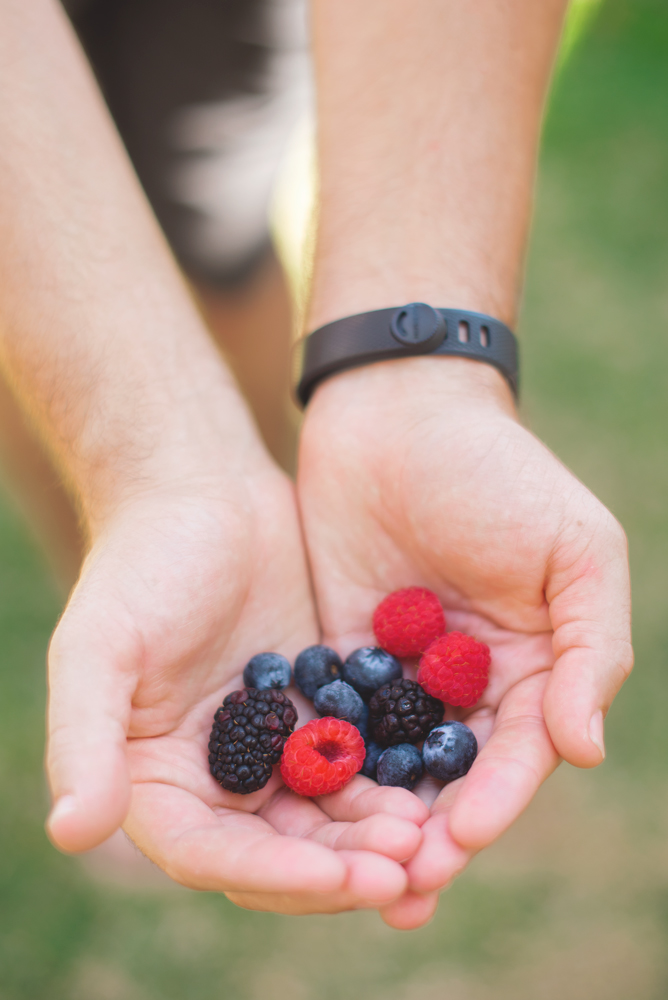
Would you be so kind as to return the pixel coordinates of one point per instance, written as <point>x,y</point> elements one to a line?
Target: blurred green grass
<point>574,900</point>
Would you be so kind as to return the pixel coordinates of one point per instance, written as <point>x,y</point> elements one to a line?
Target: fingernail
<point>596,732</point>
<point>65,806</point>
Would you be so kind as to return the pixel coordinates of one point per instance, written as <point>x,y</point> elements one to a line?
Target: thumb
<point>589,596</point>
<point>90,693</point>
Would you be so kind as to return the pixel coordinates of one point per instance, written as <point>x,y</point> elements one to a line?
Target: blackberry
<point>249,732</point>
<point>402,712</point>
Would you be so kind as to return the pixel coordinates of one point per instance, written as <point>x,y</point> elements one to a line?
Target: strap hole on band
<point>464,333</point>
<point>484,336</point>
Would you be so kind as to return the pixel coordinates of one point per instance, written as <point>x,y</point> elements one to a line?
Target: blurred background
<point>573,901</point>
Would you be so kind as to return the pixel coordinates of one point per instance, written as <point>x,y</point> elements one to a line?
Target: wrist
<point>414,329</point>
<point>416,385</point>
<point>189,436</point>
<point>346,291</point>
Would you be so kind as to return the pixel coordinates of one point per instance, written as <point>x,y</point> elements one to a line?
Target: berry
<point>322,756</point>
<point>373,752</point>
<point>455,668</point>
<point>400,766</point>
<point>408,620</point>
<point>362,723</point>
<point>267,671</point>
<point>370,667</point>
<point>315,667</point>
<point>247,738</point>
<point>402,712</point>
<point>339,700</point>
<point>449,751</point>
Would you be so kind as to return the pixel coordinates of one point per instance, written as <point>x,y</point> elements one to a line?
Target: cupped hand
<point>417,472</point>
<point>181,587</point>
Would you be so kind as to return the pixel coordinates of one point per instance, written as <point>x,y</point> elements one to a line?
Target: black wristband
<point>406,331</point>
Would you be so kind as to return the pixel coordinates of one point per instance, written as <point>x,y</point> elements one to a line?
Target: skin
<point>194,555</point>
<point>412,472</point>
<point>251,325</point>
<point>521,555</point>
<point>417,471</point>
<point>129,734</point>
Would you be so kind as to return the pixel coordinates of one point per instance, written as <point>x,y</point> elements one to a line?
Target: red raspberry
<point>408,620</point>
<point>322,756</point>
<point>455,668</point>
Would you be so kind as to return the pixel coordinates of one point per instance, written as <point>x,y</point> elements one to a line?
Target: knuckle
<point>609,530</point>
<point>617,534</point>
<point>626,661</point>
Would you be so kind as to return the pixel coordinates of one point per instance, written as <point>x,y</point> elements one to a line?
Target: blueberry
<point>363,723</point>
<point>373,752</point>
<point>315,667</point>
<point>449,750</point>
<point>400,766</point>
<point>340,700</point>
<point>370,667</point>
<point>266,671</point>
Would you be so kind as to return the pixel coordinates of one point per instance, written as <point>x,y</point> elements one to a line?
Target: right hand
<point>181,587</point>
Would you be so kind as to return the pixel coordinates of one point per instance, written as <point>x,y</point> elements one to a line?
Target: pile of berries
<point>372,718</point>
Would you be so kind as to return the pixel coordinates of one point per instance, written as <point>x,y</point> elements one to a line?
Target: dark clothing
<point>205,94</point>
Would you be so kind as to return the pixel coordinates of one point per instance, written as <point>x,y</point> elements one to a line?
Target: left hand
<point>417,472</point>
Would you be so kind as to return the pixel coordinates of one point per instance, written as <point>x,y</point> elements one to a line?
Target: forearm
<point>98,335</point>
<point>429,120</point>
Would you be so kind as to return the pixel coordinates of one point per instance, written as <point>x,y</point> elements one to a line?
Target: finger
<point>589,597</point>
<point>373,882</point>
<point>289,905</point>
<point>226,850</point>
<point>89,699</point>
<point>505,776</point>
<point>439,859</point>
<point>295,816</point>
<point>373,879</point>
<point>362,797</point>
<point>410,911</point>
<point>387,835</point>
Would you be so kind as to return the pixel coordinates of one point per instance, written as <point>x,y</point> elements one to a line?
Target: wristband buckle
<point>404,331</point>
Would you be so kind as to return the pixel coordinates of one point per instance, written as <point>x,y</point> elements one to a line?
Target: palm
<point>174,600</point>
<point>460,498</point>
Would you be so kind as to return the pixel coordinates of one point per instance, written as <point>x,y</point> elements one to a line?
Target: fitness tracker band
<point>405,331</point>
